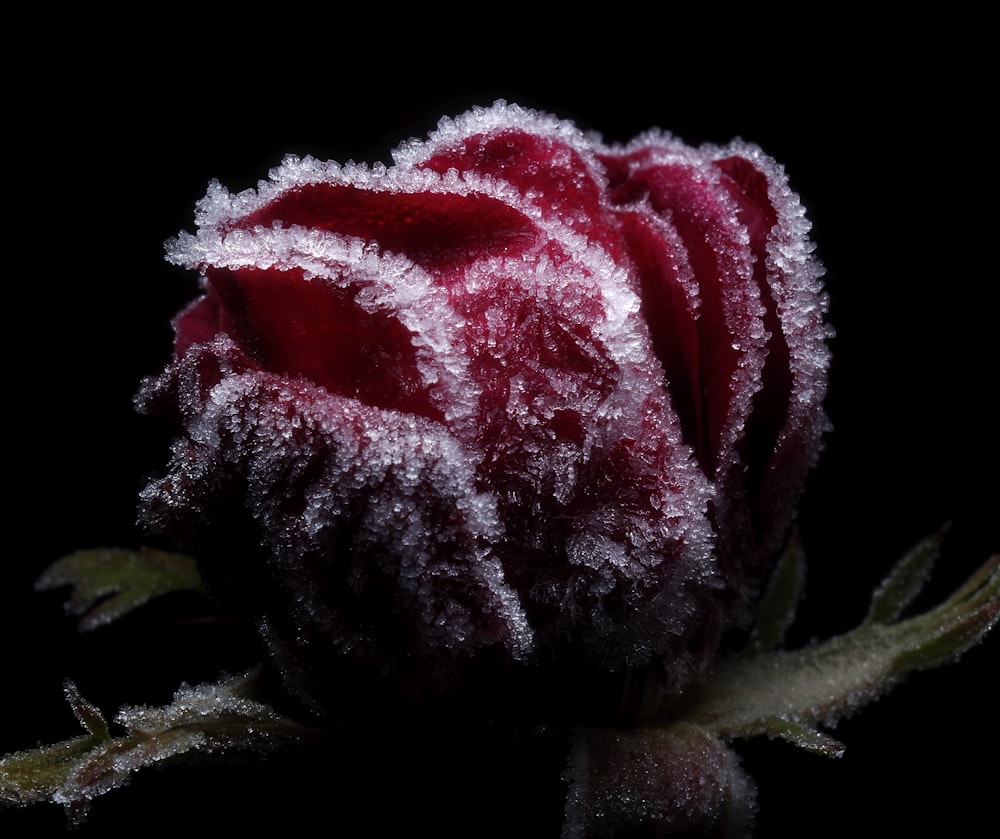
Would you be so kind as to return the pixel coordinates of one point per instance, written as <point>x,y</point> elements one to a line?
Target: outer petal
<point>745,359</point>
<point>549,162</point>
<point>333,520</point>
<point>335,310</point>
<point>684,191</point>
<point>605,508</point>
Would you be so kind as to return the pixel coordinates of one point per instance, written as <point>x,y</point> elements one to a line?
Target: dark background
<point>118,126</point>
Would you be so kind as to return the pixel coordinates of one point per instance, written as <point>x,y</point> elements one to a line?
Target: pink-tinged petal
<point>748,187</point>
<point>743,235</point>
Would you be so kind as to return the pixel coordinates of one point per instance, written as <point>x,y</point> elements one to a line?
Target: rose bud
<point>522,400</point>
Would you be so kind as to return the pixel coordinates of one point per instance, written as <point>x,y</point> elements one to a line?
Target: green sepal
<point>905,581</point>
<point>87,713</point>
<point>777,607</point>
<point>110,582</point>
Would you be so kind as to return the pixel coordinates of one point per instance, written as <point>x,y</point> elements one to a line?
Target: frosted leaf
<point>232,697</point>
<point>210,719</point>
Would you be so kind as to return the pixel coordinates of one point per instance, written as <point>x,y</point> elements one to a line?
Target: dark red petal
<point>536,165</point>
<point>196,324</point>
<point>311,328</point>
<point>751,186</point>
<point>712,239</point>
<point>358,533</point>
<point>434,229</point>
<point>671,314</point>
<point>179,394</point>
<point>748,186</point>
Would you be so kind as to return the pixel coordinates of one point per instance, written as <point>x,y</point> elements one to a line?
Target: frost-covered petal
<point>748,312</point>
<point>363,514</point>
<point>548,161</point>
<point>531,396</point>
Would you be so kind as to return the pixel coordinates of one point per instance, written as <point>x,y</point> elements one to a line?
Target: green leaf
<point>944,633</point>
<point>110,582</point>
<point>789,693</point>
<point>905,581</point>
<point>805,737</point>
<point>212,719</point>
<point>33,776</point>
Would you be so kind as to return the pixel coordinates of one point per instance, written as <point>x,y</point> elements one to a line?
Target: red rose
<point>521,397</point>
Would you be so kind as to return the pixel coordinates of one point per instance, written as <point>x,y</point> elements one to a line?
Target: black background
<point>116,128</point>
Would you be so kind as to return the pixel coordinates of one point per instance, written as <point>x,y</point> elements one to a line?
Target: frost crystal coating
<point>522,395</point>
